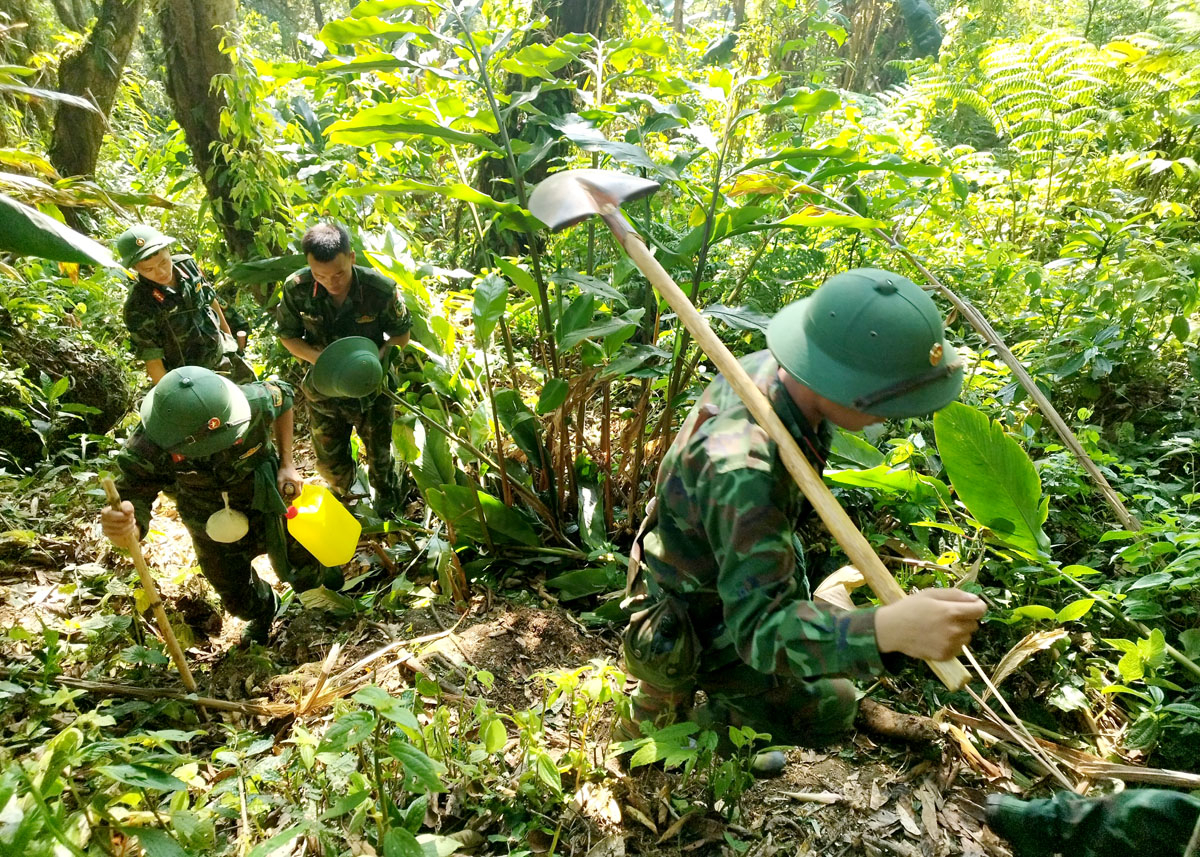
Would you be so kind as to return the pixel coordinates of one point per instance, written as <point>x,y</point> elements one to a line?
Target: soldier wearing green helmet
<point>172,312</point>
<point>345,318</point>
<point>716,575</point>
<point>217,446</point>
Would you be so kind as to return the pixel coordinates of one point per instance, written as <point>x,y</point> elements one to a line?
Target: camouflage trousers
<point>236,369</point>
<point>227,567</point>
<point>332,420</point>
<point>806,712</point>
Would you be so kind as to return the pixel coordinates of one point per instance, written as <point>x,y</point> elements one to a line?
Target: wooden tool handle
<point>151,590</point>
<point>952,673</point>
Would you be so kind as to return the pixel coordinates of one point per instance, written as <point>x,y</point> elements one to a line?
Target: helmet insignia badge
<point>141,242</point>
<point>935,354</point>
<point>214,424</point>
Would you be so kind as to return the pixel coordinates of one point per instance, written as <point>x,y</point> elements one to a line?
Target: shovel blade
<point>573,196</point>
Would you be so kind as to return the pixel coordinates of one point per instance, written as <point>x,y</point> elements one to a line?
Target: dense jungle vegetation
<point>1034,163</point>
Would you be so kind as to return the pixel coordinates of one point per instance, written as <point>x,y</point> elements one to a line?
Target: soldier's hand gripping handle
<point>120,523</point>
<point>932,624</point>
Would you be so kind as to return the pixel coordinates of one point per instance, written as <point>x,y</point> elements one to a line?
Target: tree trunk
<point>74,14</point>
<point>677,16</point>
<point>739,13</point>
<point>92,72</point>
<point>192,35</point>
<point>318,14</point>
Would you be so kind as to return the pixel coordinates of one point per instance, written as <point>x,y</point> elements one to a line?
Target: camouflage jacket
<point>723,543</point>
<point>176,324</point>
<point>146,469</point>
<point>372,309</point>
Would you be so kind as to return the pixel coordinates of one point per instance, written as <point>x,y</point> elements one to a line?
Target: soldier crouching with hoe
<point>225,453</point>
<point>721,602</point>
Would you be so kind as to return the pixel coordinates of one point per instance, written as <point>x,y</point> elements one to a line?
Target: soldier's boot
<point>765,765</point>
<point>258,628</point>
<point>651,704</point>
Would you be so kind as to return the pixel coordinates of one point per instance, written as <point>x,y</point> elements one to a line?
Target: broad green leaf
<point>1034,611</point>
<point>816,215</point>
<point>388,706</point>
<point>347,31</point>
<point>382,8</point>
<point>553,395</point>
<point>491,297</point>
<point>390,122</point>
<point>398,842</point>
<point>523,426</point>
<point>263,849</point>
<point>1150,581</point>
<point>1131,666</point>
<point>581,132</point>
<point>1144,731</point>
<point>454,504</point>
<point>520,277</point>
<point>1180,327</point>
<point>593,286</point>
<point>450,190</point>
<point>424,771</point>
<point>347,731</point>
<point>993,477</point>
<point>40,94</point>
<point>273,270</point>
<point>1190,640</point>
<point>494,736</point>
<point>892,481</point>
<point>587,581</point>
<point>145,777</point>
<point>855,449</point>
<point>155,842</point>
<point>576,317</point>
<point>805,102</point>
<point>538,60</point>
<point>739,318</point>
<point>344,805</point>
<point>1075,610</point>
<point>28,232</point>
<point>603,328</point>
<point>1153,649</point>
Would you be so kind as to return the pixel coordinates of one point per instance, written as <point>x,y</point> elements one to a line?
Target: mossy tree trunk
<point>192,34</point>
<point>93,72</point>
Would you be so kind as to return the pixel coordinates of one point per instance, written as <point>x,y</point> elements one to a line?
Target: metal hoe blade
<point>572,196</point>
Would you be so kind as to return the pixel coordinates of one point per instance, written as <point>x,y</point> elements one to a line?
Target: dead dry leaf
<point>610,846</point>
<point>641,818</point>
<point>878,796</point>
<point>1029,646</point>
<point>908,819</point>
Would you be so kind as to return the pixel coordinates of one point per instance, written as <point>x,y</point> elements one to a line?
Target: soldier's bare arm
<point>155,369</point>
<point>221,317</point>
<point>288,477</point>
<point>301,350</point>
<point>931,624</point>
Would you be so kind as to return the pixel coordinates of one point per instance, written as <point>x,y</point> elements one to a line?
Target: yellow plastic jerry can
<point>323,525</point>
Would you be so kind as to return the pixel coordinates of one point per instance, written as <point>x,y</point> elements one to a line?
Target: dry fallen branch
<point>1087,765</point>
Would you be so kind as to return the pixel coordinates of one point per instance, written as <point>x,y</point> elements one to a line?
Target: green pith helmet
<point>870,340</point>
<point>195,412</point>
<point>140,242</point>
<point>348,368</point>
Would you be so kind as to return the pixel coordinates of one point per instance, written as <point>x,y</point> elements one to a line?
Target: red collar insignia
<point>158,296</point>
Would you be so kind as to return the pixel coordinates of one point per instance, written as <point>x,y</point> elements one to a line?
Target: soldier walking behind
<point>172,312</point>
<point>208,442</point>
<point>722,604</point>
<point>331,299</point>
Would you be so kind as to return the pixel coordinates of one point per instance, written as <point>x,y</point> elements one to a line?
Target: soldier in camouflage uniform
<point>721,601</point>
<point>203,436</point>
<point>172,312</point>
<point>330,299</point>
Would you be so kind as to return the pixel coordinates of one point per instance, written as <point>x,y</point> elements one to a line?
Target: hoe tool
<point>160,615</point>
<point>571,197</point>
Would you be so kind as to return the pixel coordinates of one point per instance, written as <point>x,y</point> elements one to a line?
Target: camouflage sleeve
<point>145,331</point>
<point>774,628</point>
<point>288,324</point>
<point>141,475</point>
<point>205,291</point>
<point>281,396</point>
<point>397,320</point>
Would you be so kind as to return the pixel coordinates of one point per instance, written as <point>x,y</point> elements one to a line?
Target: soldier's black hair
<point>325,241</point>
